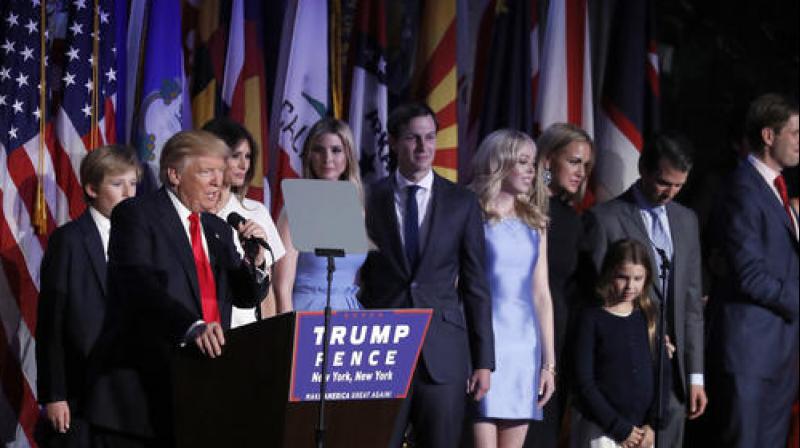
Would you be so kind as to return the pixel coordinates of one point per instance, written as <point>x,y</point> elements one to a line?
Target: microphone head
<point>234,219</point>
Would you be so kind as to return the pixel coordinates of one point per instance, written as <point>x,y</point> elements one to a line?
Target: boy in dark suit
<point>429,235</point>
<point>72,301</point>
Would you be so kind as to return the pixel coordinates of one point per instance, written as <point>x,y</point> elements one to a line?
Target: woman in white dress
<point>238,175</point>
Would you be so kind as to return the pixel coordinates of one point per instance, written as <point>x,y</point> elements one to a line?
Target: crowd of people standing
<point>547,322</point>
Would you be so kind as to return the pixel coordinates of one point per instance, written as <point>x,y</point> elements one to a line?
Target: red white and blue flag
<point>629,104</point>
<point>244,89</point>
<point>565,77</point>
<point>33,155</point>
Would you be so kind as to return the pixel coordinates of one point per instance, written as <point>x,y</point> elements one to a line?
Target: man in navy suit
<point>430,240</point>
<point>753,346</point>
<point>174,274</point>
<point>72,299</point>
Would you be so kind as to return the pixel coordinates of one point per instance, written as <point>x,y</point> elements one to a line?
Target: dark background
<point>717,56</point>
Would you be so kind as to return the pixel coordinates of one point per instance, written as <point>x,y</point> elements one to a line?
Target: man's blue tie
<point>659,235</point>
<point>411,225</point>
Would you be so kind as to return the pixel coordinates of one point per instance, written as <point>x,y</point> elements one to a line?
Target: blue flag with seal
<point>163,109</point>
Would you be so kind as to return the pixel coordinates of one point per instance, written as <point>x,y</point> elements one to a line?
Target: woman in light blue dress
<point>301,277</point>
<point>514,205</point>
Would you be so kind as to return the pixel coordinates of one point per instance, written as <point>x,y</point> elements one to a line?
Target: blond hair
<point>553,141</point>
<point>497,155</point>
<point>109,160</point>
<point>329,125</point>
<point>186,144</point>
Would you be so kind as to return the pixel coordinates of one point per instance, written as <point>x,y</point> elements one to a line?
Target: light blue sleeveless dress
<point>512,249</point>
<point>310,282</point>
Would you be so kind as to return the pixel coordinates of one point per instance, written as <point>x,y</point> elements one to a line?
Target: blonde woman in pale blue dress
<point>300,277</point>
<point>522,310</point>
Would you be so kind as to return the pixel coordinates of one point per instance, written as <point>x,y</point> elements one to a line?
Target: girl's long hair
<point>633,252</point>
<point>329,125</point>
<point>496,157</point>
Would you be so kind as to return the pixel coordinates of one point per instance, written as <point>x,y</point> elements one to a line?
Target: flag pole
<point>335,50</point>
<point>40,205</point>
<point>95,78</point>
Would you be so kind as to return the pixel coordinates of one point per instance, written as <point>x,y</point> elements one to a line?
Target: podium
<point>261,391</point>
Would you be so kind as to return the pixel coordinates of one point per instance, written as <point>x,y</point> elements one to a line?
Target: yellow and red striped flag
<point>436,79</point>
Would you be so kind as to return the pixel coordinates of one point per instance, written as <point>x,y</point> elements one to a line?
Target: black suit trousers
<point>436,413</point>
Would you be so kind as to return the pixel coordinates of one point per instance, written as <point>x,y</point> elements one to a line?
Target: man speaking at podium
<point>173,275</point>
<point>429,235</point>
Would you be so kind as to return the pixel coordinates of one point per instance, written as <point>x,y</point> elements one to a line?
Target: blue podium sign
<point>372,353</point>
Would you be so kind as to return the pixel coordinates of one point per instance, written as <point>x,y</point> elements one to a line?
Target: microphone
<point>250,244</point>
<point>665,263</point>
<point>234,219</point>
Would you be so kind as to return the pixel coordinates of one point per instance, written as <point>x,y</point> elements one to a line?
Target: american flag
<point>83,95</point>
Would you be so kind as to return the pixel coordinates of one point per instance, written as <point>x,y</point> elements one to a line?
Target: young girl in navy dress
<point>615,358</point>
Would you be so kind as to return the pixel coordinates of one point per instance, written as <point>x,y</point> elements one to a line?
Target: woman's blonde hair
<point>619,253</point>
<point>329,125</point>
<point>497,155</point>
<point>553,140</point>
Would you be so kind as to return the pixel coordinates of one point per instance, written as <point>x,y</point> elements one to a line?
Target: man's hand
<point>211,340</point>
<point>670,346</point>
<point>251,229</point>
<point>58,414</point>
<point>478,383</point>
<point>697,401</point>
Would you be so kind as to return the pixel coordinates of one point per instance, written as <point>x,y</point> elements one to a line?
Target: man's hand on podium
<point>210,340</point>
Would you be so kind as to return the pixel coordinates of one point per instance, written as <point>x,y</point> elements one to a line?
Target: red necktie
<point>780,184</point>
<point>208,288</point>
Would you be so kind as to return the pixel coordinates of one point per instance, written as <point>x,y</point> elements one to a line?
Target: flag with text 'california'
<point>301,88</point>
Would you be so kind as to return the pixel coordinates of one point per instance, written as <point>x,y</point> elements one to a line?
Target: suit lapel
<point>387,221</point>
<point>634,228</point>
<point>680,246</point>
<point>181,245</point>
<point>434,218</point>
<point>213,239</point>
<point>768,197</point>
<point>94,247</point>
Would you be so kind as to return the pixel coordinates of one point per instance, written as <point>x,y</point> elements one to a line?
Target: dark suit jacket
<point>449,278</point>
<point>754,323</point>
<point>154,300</point>
<point>621,218</point>
<point>71,308</point>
